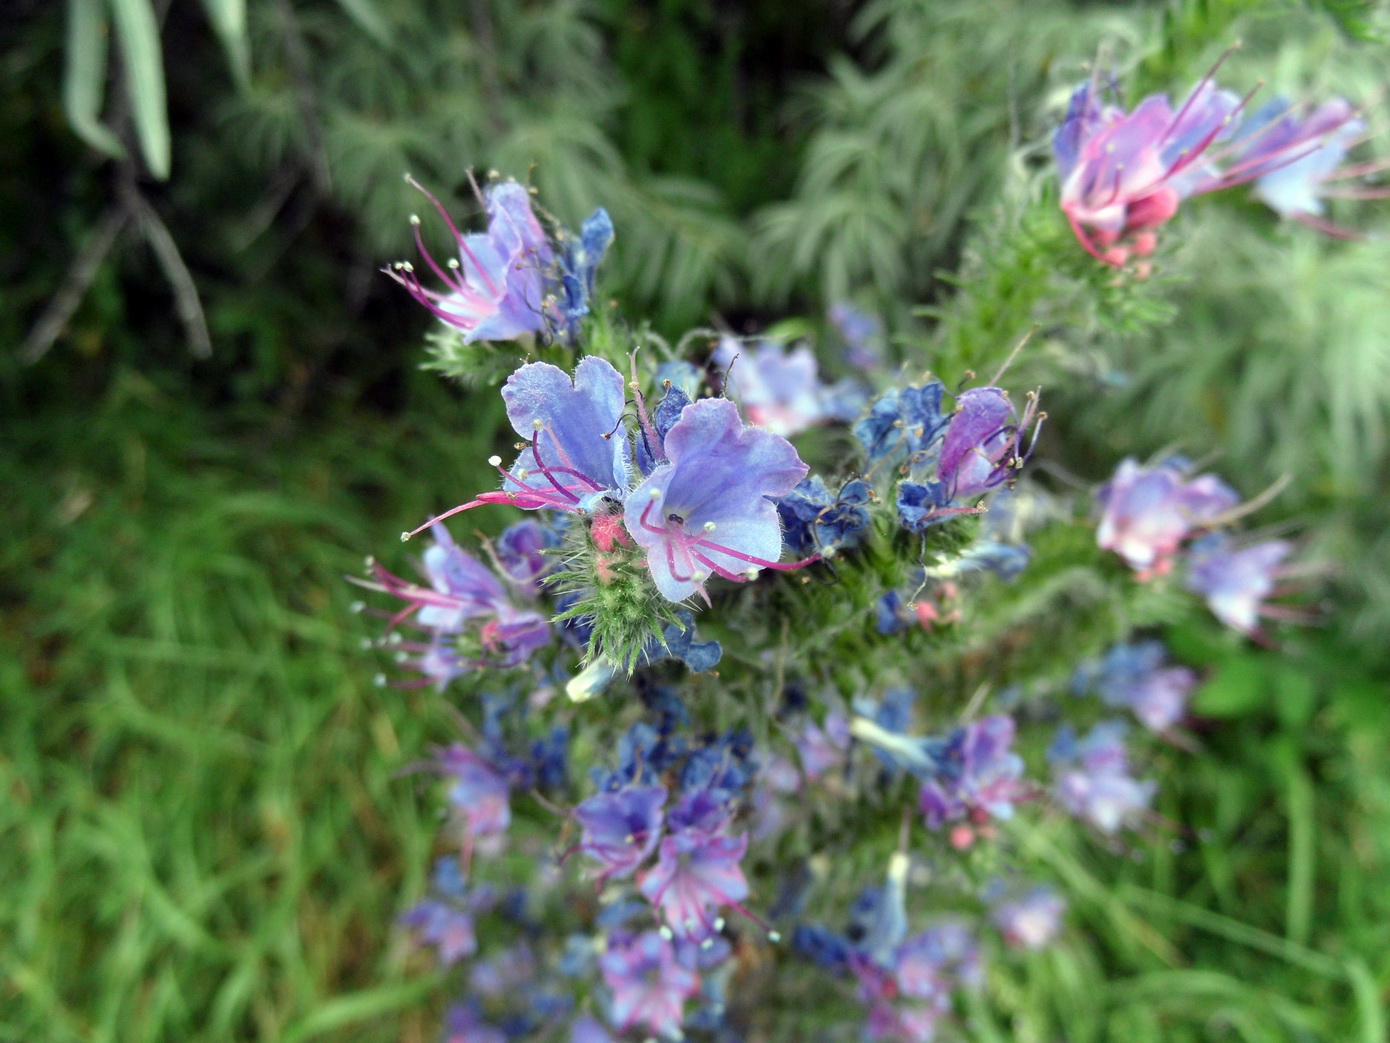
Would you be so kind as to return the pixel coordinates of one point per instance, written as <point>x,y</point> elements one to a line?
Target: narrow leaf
<point>84,75</point>
<point>228,18</point>
<point>144,72</point>
<point>368,18</point>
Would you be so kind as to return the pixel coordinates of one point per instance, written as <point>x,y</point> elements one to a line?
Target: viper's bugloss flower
<point>779,388</point>
<point>621,828</point>
<point>973,774</point>
<point>903,425</point>
<point>1031,920</point>
<point>479,794</point>
<point>578,451</point>
<point>1093,779</point>
<point>861,332</point>
<point>1147,512</point>
<point>496,288</point>
<point>815,521</point>
<point>463,1025</point>
<point>696,874</point>
<point>586,1030</point>
<point>1296,161</point>
<point>649,985</point>
<point>1138,676</point>
<point>1124,174</point>
<point>580,257</point>
<point>982,445</point>
<point>823,750</point>
<point>577,454</point>
<point>445,920</point>
<point>1235,581</point>
<point>521,550</point>
<point>706,510</point>
<point>933,964</point>
<point>464,598</point>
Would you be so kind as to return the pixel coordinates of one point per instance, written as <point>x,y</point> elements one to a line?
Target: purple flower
<point>578,450</point>
<point>706,509</point>
<point>496,288</point>
<point>1234,581</point>
<point>521,551</point>
<point>1146,513</point>
<point>577,444</point>
<point>621,828</point>
<point>445,920</point>
<point>1030,921</point>
<point>464,1026</point>
<point>479,793</point>
<point>649,985</point>
<point>982,445</point>
<point>862,334</point>
<point>512,969</point>
<point>974,774</point>
<point>1093,780</point>
<point>1135,676</point>
<point>696,874</point>
<point>464,597</point>
<point>931,965</point>
<point>586,1030</point>
<point>1290,159</point>
<point>780,388</point>
<point>823,750</point>
<point>1124,174</point>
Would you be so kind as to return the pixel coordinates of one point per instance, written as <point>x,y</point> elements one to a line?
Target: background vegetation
<point>210,413</point>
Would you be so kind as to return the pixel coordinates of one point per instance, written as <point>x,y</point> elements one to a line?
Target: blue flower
<point>496,286</point>
<point>780,388</point>
<point>621,828</point>
<point>578,451</point>
<point>862,334</point>
<point>1135,676</point>
<point>923,504</point>
<point>580,257</point>
<point>1236,581</point>
<point>705,511</point>
<point>903,423</point>
<point>814,521</point>
<point>975,775</point>
<point>1093,779</point>
<point>1289,158</point>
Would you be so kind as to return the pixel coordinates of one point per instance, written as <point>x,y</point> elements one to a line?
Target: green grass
<point>206,837</point>
<point>204,834</point>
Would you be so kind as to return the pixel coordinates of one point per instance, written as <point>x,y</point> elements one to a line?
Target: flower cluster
<point>1124,174</point>
<point>1154,517</point>
<point>891,689</point>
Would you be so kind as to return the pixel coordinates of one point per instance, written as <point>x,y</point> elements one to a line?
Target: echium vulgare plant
<point>751,737</point>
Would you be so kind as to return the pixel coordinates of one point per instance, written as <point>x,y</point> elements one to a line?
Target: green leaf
<point>1295,694</point>
<point>368,18</point>
<point>228,18</point>
<point>84,75</point>
<point>138,35</point>
<point>1236,688</point>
